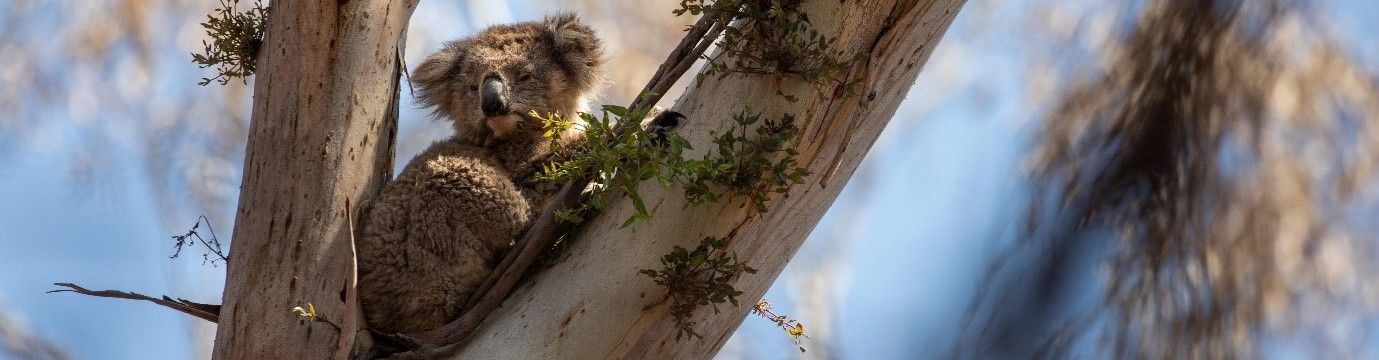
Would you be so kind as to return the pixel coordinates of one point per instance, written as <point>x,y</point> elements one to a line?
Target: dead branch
<point>193,236</point>
<point>206,312</point>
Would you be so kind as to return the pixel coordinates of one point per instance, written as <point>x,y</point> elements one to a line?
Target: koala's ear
<point>434,76</point>
<point>580,51</point>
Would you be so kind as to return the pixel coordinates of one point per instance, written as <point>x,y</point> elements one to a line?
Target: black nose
<point>494,96</point>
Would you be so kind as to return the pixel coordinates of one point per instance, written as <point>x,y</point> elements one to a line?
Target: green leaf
<point>618,111</point>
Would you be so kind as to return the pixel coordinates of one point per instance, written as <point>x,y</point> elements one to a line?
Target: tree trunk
<point>591,304</point>
<point>320,140</point>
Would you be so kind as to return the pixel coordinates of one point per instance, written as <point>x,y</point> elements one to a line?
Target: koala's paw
<point>663,122</point>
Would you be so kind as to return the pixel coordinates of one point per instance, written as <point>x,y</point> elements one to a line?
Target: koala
<point>433,234</point>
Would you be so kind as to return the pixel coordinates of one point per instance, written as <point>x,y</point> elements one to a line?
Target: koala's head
<point>488,84</point>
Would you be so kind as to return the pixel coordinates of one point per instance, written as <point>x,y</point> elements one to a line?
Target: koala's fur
<point>435,233</point>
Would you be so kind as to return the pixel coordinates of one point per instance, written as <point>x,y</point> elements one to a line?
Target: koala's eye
<point>524,77</point>
<point>474,88</point>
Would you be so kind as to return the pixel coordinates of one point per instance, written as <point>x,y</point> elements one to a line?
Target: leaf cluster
<point>693,278</point>
<point>772,37</point>
<point>235,39</point>
<point>612,159</point>
<point>751,160</point>
<point>754,158</point>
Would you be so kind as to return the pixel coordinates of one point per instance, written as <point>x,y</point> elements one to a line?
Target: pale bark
<point>590,305</point>
<point>320,141</point>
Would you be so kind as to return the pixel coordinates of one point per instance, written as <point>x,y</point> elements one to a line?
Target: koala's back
<point>433,234</point>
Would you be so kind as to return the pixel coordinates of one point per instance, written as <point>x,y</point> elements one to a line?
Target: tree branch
<point>206,312</point>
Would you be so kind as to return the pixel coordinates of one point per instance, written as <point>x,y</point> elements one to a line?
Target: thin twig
<point>545,229</point>
<point>212,246</point>
<point>664,84</point>
<point>204,311</point>
<point>671,68</point>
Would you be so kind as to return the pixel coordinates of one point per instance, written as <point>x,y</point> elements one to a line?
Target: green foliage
<point>773,37</point>
<point>752,160</point>
<point>755,167</point>
<point>612,159</point>
<point>703,276</point>
<point>236,37</point>
<point>769,37</point>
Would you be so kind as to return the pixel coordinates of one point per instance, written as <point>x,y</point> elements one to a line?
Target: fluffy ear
<point>434,76</point>
<point>580,51</point>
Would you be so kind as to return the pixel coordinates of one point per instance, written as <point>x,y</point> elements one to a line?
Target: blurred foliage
<point>97,82</point>
<point>19,342</point>
<point>236,37</point>
<point>101,88</point>
<point>1228,149</point>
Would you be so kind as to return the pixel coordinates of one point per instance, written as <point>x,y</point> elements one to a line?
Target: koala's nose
<point>494,96</point>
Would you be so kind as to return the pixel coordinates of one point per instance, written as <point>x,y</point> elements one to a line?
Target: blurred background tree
<point>1216,163</point>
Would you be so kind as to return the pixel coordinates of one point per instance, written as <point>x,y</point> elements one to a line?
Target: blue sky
<point>51,231</point>
<point>945,188</point>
